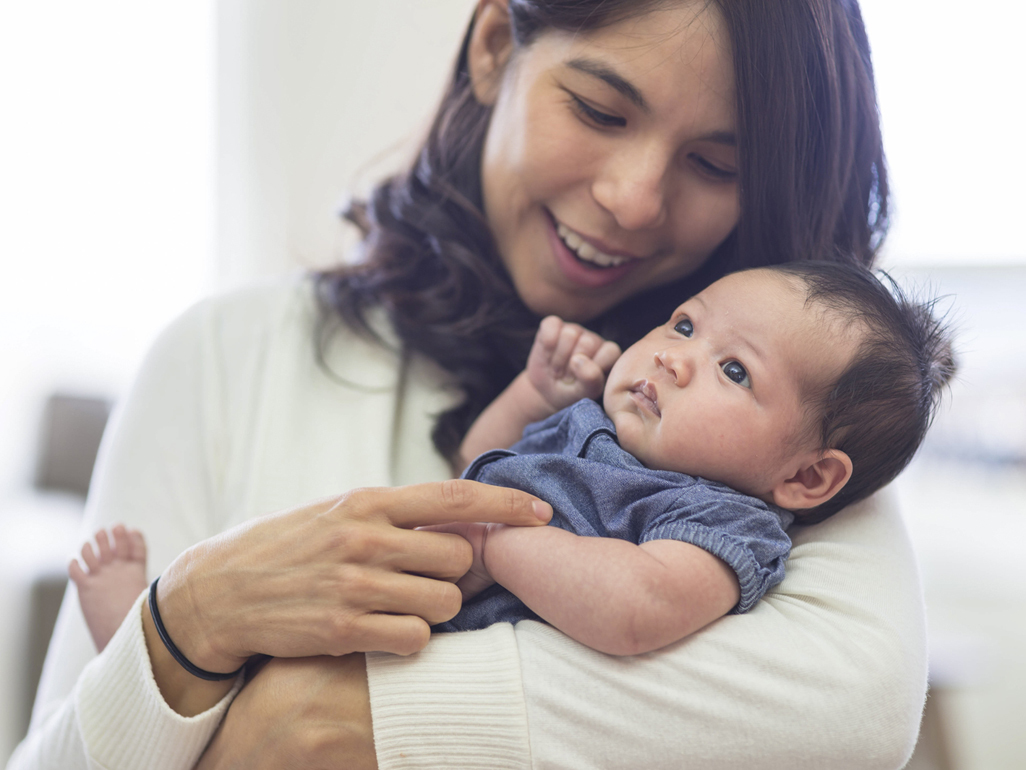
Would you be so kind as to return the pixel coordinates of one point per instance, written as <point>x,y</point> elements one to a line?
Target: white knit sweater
<point>231,417</point>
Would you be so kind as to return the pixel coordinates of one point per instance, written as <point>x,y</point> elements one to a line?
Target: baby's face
<point>717,391</point>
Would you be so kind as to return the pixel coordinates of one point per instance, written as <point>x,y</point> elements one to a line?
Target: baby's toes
<point>122,542</point>
<point>104,546</point>
<point>89,557</point>
<point>76,573</point>
<point>137,544</point>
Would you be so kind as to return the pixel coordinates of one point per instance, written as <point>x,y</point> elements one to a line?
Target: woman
<point>599,160</point>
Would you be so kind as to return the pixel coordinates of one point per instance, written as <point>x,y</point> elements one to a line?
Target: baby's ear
<point>817,481</point>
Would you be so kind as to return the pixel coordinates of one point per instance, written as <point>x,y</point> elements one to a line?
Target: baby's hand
<point>567,362</point>
<point>477,577</point>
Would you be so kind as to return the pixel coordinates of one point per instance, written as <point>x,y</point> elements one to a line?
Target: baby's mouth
<point>644,393</point>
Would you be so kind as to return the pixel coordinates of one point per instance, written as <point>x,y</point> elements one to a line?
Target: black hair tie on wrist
<point>184,662</point>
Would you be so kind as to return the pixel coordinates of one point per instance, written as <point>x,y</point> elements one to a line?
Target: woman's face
<point>610,164</point>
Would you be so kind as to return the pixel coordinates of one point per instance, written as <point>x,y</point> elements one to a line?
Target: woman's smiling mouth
<point>585,251</point>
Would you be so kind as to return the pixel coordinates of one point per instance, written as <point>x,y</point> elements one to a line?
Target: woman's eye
<point>595,116</point>
<point>736,373</point>
<point>685,327</point>
<point>712,170</point>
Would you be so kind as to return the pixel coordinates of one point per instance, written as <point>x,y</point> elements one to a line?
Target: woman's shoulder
<point>256,309</point>
<point>234,337</point>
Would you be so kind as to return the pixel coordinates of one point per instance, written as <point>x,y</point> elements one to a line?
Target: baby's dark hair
<point>879,409</point>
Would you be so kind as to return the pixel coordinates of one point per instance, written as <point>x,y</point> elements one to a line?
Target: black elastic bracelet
<point>184,662</point>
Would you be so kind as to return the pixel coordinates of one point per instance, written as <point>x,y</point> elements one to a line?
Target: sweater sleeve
<point>116,717</point>
<point>829,670</point>
<point>157,471</point>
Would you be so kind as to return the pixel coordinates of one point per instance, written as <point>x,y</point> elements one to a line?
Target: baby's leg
<point>111,582</point>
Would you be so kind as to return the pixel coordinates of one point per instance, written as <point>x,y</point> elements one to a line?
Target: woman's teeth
<point>585,251</point>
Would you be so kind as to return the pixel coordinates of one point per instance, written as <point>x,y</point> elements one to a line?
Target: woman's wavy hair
<point>812,183</point>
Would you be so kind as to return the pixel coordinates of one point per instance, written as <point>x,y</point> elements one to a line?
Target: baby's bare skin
<point>112,579</point>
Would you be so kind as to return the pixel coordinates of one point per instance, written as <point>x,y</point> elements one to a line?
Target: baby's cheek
<point>666,453</point>
<point>630,436</point>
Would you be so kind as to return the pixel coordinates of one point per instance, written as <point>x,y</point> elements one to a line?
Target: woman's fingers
<point>398,634</point>
<point>437,555</point>
<point>333,576</point>
<point>436,601</point>
<point>454,500</point>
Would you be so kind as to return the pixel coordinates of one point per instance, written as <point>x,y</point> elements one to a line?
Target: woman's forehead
<point>660,54</point>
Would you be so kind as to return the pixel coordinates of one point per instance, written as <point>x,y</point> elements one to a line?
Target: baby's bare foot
<point>112,580</point>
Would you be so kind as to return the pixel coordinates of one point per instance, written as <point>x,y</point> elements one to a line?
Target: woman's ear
<point>816,482</point>
<point>491,44</point>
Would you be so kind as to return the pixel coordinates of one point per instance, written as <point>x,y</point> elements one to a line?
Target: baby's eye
<point>737,373</point>
<point>685,327</point>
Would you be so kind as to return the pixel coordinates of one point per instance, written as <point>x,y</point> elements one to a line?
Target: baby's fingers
<point>545,342</point>
<point>566,346</point>
<point>588,343</point>
<point>548,333</point>
<point>590,377</point>
<point>606,355</point>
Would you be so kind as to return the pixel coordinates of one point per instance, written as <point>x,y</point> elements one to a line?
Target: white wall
<point>106,151</point>
<point>106,232</point>
<point>951,81</point>
<point>316,99</point>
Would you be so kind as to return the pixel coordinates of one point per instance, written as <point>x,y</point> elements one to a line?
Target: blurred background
<point>154,153</point>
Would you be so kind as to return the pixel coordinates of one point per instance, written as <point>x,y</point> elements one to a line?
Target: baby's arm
<point>610,594</point>
<point>567,363</point>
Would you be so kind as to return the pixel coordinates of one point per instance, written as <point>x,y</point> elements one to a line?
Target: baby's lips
<point>650,392</point>
<point>647,390</point>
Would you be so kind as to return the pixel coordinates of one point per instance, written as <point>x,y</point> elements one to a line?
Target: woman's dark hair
<point>879,409</point>
<point>812,184</point>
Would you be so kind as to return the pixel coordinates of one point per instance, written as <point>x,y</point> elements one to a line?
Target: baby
<point>775,393</point>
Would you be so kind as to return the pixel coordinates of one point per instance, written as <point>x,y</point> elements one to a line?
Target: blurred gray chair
<point>69,437</point>
<point>48,521</point>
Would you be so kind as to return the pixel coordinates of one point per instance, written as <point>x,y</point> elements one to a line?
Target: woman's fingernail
<point>542,510</point>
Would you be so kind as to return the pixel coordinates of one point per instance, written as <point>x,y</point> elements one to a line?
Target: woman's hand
<point>298,713</point>
<point>337,576</point>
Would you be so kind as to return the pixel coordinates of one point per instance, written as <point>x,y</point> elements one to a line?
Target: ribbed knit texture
<point>457,704</point>
<point>125,726</point>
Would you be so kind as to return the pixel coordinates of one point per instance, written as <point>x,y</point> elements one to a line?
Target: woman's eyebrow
<point>610,77</point>
<point>721,137</point>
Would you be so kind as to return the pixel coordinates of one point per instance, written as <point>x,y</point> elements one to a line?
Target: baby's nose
<point>677,364</point>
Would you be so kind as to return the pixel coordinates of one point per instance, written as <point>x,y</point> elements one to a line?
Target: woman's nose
<point>632,188</point>
<point>677,363</point>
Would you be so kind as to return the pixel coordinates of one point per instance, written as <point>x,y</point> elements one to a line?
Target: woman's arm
<point>348,574</point>
<point>828,670</point>
<point>171,468</point>
<point>306,712</point>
